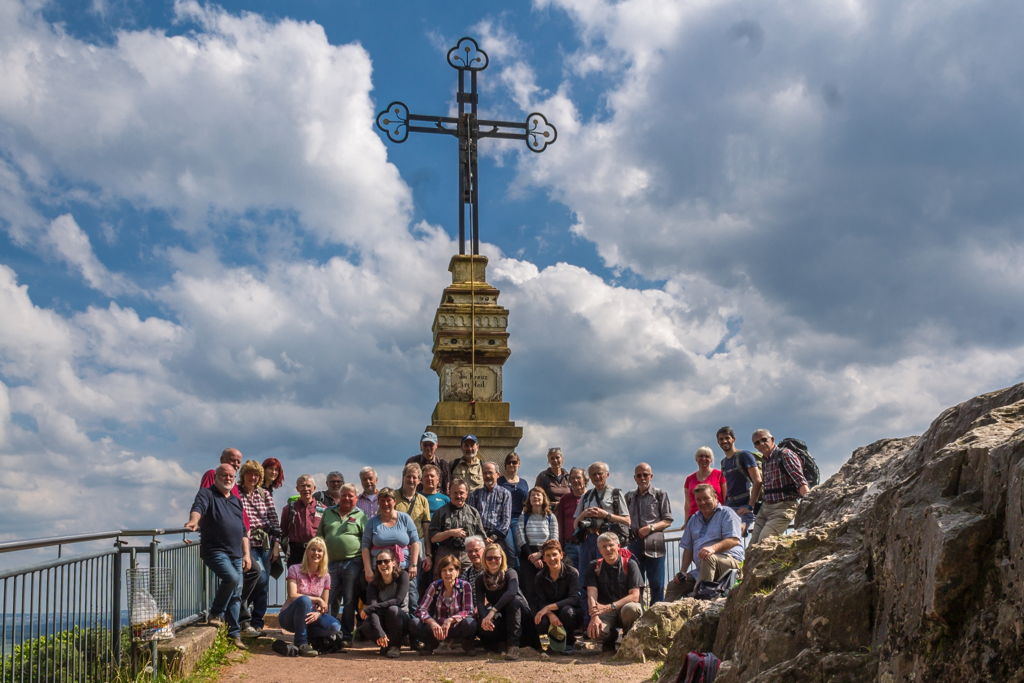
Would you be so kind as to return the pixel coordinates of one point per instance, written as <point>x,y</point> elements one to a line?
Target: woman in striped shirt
<point>536,526</point>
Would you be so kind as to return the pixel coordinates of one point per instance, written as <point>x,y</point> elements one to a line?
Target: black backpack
<point>712,590</point>
<point>811,473</point>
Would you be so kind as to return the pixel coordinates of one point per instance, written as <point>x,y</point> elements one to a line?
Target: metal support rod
<point>154,550</point>
<point>115,608</point>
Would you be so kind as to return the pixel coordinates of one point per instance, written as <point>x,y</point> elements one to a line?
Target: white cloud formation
<point>725,154</point>
<point>243,115</point>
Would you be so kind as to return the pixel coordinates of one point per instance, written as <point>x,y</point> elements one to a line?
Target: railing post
<point>115,621</point>
<point>154,553</point>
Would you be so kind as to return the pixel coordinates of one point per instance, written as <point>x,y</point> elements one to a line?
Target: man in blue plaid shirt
<point>494,504</point>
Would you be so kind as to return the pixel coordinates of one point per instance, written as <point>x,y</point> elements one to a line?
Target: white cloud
<point>725,158</point>
<point>244,115</point>
<point>71,244</point>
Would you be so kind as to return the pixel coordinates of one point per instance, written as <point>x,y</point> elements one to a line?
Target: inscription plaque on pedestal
<point>460,383</point>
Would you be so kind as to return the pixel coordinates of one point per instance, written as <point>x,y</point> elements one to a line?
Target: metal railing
<point>64,619</point>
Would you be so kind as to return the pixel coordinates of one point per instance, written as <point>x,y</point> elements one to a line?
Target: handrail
<point>29,544</point>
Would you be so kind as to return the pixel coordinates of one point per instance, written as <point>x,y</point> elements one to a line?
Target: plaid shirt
<point>783,475</point>
<point>437,607</point>
<point>258,504</point>
<point>299,521</point>
<point>495,507</point>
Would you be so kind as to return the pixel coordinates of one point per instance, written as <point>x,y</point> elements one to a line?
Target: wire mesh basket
<point>150,600</point>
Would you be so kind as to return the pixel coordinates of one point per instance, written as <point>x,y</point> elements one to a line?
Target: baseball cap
<point>470,437</point>
<point>556,638</point>
<point>429,436</point>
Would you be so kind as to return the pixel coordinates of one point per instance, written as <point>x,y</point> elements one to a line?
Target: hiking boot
<point>237,642</point>
<point>216,622</point>
<point>306,650</point>
<point>283,648</point>
<point>512,653</point>
<point>392,652</point>
<point>251,632</point>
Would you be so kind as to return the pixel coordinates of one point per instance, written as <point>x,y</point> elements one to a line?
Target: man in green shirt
<point>342,529</point>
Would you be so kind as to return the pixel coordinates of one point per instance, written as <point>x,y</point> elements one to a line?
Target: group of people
<point>466,552</point>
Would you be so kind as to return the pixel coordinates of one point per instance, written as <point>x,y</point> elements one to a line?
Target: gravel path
<point>262,665</point>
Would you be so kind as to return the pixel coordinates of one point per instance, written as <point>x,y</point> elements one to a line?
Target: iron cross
<point>468,59</point>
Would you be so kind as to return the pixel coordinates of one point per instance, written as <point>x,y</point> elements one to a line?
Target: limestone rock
<point>651,635</point>
<point>909,564</point>
<point>698,633</point>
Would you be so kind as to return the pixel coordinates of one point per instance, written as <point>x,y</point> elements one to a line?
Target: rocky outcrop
<point>909,564</point>
<point>652,634</point>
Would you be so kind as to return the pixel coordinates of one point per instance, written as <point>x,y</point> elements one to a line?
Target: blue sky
<point>798,215</point>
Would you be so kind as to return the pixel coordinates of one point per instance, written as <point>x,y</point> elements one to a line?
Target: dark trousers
<point>295,552</point>
<point>513,625</point>
<point>255,583</point>
<point>571,618</point>
<point>462,632</point>
<point>393,622</point>
<point>528,575</point>
<point>652,569</point>
<point>346,578</point>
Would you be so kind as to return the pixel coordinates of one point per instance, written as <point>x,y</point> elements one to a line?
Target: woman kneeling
<point>305,613</point>
<point>558,588</point>
<point>386,618</point>
<point>446,610</point>
<point>506,614</point>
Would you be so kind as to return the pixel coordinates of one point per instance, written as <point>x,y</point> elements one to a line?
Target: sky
<point>804,216</point>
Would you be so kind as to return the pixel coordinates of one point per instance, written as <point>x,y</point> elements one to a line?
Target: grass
<point>656,674</point>
<point>216,658</point>
<point>208,669</point>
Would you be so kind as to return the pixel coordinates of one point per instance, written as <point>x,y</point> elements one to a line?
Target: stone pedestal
<point>470,347</point>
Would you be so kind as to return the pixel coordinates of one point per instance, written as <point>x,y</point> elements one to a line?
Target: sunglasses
<point>379,562</point>
<point>493,558</point>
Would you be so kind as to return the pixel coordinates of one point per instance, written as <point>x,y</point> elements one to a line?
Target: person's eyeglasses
<point>763,439</point>
<point>380,562</point>
<point>333,482</point>
<point>644,475</point>
<point>492,558</point>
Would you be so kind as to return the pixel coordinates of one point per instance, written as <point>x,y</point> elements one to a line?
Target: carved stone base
<point>470,346</point>
<point>489,421</point>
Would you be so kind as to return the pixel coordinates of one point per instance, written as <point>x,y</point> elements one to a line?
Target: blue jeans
<point>229,588</point>
<point>293,618</point>
<point>653,571</point>
<point>345,576</point>
<point>510,542</point>
<point>572,556</point>
<point>588,553</point>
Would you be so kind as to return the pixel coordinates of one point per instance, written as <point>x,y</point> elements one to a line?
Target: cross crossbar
<point>396,121</point>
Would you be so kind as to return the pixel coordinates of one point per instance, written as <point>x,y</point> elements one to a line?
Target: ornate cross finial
<point>397,122</point>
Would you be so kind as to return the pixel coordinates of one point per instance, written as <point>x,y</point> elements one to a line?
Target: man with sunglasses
<point>784,485</point>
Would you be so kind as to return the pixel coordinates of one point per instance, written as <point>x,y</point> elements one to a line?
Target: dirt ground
<point>362,663</point>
